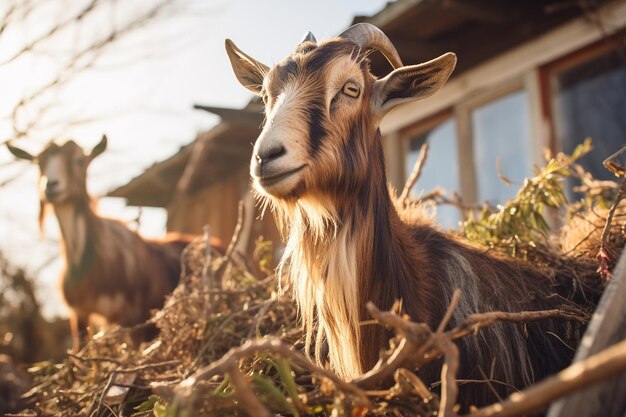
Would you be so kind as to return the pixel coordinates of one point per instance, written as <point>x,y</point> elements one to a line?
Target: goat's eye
<point>351,89</point>
<point>79,161</point>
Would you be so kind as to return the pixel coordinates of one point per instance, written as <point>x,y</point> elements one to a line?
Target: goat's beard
<point>321,270</point>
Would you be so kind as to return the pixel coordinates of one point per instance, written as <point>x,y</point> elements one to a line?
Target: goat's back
<point>128,276</point>
<point>506,356</point>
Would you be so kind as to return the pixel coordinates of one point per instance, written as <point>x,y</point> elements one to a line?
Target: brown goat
<point>109,269</point>
<point>319,164</point>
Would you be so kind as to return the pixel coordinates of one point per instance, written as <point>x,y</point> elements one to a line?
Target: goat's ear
<point>99,148</point>
<point>20,153</point>
<point>248,70</point>
<point>413,82</point>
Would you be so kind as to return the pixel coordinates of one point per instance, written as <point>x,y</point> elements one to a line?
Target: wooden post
<point>607,327</point>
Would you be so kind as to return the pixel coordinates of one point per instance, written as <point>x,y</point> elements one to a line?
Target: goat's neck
<point>76,221</point>
<point>336,271</point>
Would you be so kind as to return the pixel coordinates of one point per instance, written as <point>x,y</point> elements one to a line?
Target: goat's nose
<point>51,185</point>
<point>265,156</point>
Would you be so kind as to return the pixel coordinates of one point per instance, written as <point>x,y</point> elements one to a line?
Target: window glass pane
<point>441,168</point>
<point>590,101</point>
<point>500,130</point>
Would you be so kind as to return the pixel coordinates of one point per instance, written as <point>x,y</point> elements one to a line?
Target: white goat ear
<point>20,153</point>
<point>248,70</point>
<point>413,82</point>
<point>99,148</point>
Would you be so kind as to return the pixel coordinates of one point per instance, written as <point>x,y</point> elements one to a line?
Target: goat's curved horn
<point>309,38</point>
<point>368,36</point>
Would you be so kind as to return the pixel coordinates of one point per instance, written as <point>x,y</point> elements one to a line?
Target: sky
<point>140,92</point>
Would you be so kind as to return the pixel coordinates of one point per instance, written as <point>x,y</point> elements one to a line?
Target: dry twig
<point>244,393</point>
<point>279,348</point>
<point>604,257</point>
<point>207,270</point>
<point>415,174</point>
<point>481,320</point>
<point>228,256</point>
<point>414,337</point>
<point>449,387</point>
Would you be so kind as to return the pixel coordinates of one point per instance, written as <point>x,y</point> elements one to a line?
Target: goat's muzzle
<point>275,178</point>
<point>52,191</point>
<point>273,172</point>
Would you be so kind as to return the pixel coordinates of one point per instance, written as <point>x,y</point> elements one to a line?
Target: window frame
<point>465,136</point>
<point>408,133</point>
<point>549,72</point>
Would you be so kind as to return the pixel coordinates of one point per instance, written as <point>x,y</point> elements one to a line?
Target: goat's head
<point>323,108</point>
<point>62,169</point>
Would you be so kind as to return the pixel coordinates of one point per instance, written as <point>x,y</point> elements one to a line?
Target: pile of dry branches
<point>235,350</point>
<point>229,344</point>
<point>27,336</point>
<point>243,356</point>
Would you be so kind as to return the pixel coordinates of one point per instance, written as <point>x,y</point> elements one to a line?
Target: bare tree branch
<point>52,31</point>
<point>76,63</point>
<point>7,17</point>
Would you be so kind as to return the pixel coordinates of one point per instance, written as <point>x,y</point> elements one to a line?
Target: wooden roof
<point>212,156</point>
<point>475,30</point>
<point>154,187</point>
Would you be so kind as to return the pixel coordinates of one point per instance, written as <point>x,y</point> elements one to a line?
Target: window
<point>590,101</point>
<point>500,131</point>
<point>441,169</point>
<point>484,134</point>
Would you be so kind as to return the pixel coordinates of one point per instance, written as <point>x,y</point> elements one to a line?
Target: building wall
<point>511,108</point>
<point>217,206</point>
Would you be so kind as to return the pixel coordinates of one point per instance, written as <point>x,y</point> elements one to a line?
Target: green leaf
<point>222,388</point>
<point>273,396</point>
<point>581,150</point>
<point>160,410</point>
<point>286,377</point>
<point>147,405</point>
<point>520,221</point>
